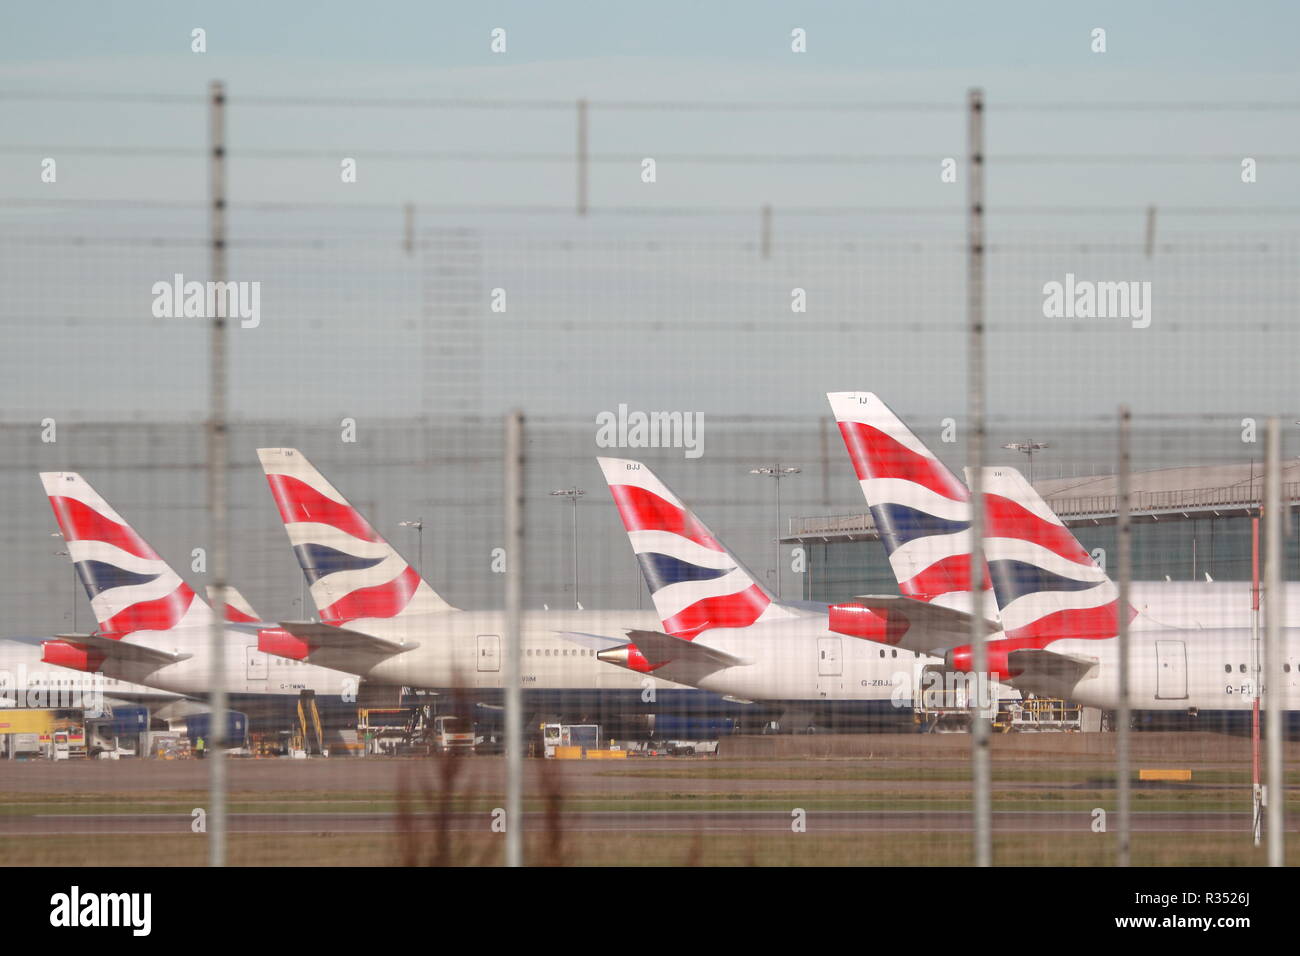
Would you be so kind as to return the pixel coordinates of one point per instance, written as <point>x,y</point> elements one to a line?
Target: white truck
<point>453,735</point>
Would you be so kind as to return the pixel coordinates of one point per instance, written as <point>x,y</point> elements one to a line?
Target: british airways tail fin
<point>696,583</point>
<point>353,573</point>
<point>131,588</point>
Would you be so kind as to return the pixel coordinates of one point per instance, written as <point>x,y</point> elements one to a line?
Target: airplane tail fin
<point>696,583</point>
<point>1047,585</point>
<point>353,573</point>
<point>921,509</point>
<point>131,588</point>
<point>238,610</point>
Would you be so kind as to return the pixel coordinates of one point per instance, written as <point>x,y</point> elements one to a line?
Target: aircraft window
<point>1227,668</point>
<point>893,653</point>
<point>882,652</point>
<point>1243,668</point>
<point>1286,668</point>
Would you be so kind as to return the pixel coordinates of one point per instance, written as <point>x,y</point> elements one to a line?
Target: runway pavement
<point>658,821</point>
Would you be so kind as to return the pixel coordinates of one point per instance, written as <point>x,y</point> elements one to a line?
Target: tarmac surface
<point>751,764</point>
<point>360,795</point>
<point>688,821</point>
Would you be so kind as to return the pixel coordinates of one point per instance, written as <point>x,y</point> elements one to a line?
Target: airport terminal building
<point>1187,523</point>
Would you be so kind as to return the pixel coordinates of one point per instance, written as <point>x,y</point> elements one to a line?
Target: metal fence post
<point>1274,598</point>
<point>980,731</point>
<point>514,541</point>
<point>1124,715</point>
<point>217,460</point>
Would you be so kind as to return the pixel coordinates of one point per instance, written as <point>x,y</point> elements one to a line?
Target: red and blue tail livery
<point>1047,586</point>
<point>921,509</point>
<point>131,588</point>
<point>238,609</point>
<point>353,573</point>
<point>695,582</point>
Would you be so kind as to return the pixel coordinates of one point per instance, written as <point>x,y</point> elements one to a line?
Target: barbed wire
<point>566,209</point>
<point>721,159</point>
<point>732,106</point>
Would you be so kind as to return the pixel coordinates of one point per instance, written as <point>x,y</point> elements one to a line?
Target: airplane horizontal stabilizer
<point>251,627</point>
<point>123,651</point>
<point>329,646</point>
<point>1047,672</point>
<point>905,622</point>
<point>658,647</point>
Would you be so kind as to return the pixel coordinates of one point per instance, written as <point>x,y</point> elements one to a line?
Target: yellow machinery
<point>309,728</point>
<point>48,726</point>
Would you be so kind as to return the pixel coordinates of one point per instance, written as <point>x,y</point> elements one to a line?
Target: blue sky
<point>660,312</point>
<point>1186,36</point>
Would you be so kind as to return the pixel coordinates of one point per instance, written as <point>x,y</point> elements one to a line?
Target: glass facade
<point>1173,547</point>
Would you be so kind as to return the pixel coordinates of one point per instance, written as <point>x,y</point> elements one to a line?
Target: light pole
<point>573,494</point>
<point>776,472</point>
<point>1028,447</point>
<point>418,525</point>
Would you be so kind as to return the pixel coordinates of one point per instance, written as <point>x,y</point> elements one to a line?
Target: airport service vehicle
<point>381,620</point>
<point>453,735</point>
<point>153,630</point>
<point>68,743</point>
<point>586,736</point>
